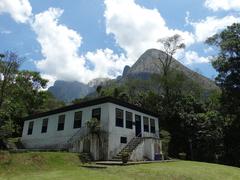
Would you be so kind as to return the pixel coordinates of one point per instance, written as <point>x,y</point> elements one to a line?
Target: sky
<point>82,40</point>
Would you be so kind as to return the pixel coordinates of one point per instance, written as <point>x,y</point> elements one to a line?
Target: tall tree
<point>170,46</point>
<point>9,63</point>
<point>227,64</point>
<point>20,94</point>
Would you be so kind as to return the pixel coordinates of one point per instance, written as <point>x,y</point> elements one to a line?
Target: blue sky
<point>82,39</point>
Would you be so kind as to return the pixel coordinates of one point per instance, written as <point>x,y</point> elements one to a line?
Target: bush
<point>125,157</point>
<point>182,155</point>
<point>165,137</point>
<point>85,157</point>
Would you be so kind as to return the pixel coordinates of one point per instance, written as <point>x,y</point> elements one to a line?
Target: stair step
<point>129,148</point>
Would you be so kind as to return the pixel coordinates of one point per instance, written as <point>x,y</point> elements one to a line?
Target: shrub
<point>182,155</point>
<point>165,137</point>
<point>85,157</point>
<point>125,157</point>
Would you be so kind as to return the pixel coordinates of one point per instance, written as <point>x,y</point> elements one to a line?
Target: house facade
<point>124,128</point>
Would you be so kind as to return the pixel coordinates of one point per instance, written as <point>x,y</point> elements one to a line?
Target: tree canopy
<point>21,94</point>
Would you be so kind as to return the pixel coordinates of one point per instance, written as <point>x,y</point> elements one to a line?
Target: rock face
<point>68,91</point>
<point>126,70</point>
<point>149,64</point>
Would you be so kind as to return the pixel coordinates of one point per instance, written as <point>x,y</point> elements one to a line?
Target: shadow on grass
<point>89,166</point>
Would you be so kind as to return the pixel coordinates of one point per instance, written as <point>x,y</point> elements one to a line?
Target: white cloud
<point>192,57</point>
<point>226,5</point>
<point>20,10</point>
<point>107,64</point>
<point>212,25</point>
<point>51,79</point>
<point>136,28</point>
<point>59,47</point>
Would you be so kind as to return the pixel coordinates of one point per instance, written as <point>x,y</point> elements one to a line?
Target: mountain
<point>144,67</point>
<point>148,64</point>
<point>68,91</point>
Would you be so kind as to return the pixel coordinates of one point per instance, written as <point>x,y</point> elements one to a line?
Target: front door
<point>138,127</point>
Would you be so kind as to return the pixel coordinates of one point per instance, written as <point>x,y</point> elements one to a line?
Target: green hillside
<point>52,165</point>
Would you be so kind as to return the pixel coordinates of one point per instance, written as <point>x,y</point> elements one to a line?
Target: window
<point>119,117</point>
<point>152,124</point>
<point>61,121</point>
<point>44,125</point>
<point>146,124</point>
<point>129,120</point>
<point>123,140</point>
<point>30,128</point>
<point>77,119</point>
<point>96,113</point>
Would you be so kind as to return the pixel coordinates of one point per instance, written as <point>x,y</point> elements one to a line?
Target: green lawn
<point>52,165</point>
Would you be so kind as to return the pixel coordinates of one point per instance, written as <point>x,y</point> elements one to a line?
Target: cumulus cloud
<point>107,64</point>
<point>192,57</point>
<point>20,10</point>
<point>226,5</point>
<point>136,28</point>
<point>212,25</point>
<point>59,47</point>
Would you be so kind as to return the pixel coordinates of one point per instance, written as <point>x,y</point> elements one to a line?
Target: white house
<point>124,127</point>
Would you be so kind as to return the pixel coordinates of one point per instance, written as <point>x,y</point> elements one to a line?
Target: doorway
<point>138,126</point>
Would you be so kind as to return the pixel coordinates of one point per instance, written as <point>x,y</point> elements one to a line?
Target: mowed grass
<point>59,165</point>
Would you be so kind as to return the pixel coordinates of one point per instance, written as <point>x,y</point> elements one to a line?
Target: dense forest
<point>203,125</point>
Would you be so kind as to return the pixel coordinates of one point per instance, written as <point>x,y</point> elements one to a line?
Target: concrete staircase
<point>129,148</point>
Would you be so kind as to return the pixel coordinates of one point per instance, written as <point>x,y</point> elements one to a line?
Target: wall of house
<point>145,150</point>
<point>115,133</point>
<point>54,139</point>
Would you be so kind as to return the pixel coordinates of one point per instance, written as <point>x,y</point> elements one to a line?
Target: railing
<point>156,134</point>
<point>82,132</point>
<point>149,134</point>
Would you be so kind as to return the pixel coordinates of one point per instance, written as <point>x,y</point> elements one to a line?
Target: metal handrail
<point>82,132</point>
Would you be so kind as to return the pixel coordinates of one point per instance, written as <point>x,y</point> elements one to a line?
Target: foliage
<point>20,95</point>
<point>85,157</point>
<point>227,64</point>
<point>165,137</point>
<point>125,157</point>
<point>94,126</point>
<point>182,155</point>
<point>170,47</point>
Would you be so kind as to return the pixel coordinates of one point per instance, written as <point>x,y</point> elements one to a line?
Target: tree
<point>99,89</point>
<point>227,64</point>
<point>95,130</point>
<point>21,94</point>
<point>9,63</point>
<point>170,46</point>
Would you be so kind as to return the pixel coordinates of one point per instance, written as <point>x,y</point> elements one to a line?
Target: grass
<point>60,165</point>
